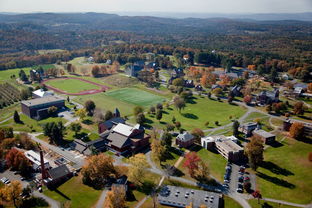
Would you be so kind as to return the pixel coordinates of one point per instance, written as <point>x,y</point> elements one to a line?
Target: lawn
<point>254,204</point>
<point>286,173</point>
<point>231,203</point>
<point>75,193</point>
<point>197,113</point>
<point>71,85</point>
<point>136,96</point>
<point>29,124</point>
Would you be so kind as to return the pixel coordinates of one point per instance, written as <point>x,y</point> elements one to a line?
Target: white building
<point>34,158</point>
<point>41,93</point>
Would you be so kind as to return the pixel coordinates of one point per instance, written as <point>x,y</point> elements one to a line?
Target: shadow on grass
<point>276,144</point>
<point>277,181</point>
<point>88,122</point>
<point>190,116</point>
<point>165,112</point>
<point>195,148</point>
<point>276,169</point>
<point>60,193</point>
<point>146,187</point>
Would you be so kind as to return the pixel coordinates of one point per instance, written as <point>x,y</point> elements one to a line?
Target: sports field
<point>136,96</point>
<point>74,86</point>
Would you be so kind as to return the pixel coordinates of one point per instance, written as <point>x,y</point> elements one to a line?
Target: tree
<point>178,82</point>
<point>12,193</point>
<point>197,133</point>
<point>166,139</point>
<point>274,75</point>
<point>55,131</point>
<point>22,75</point>
<point>178,124</point>
<point>116,198</point>
<point>138,170</point>
<point>108,115</point>
<point>247,99</point>
<point>140,118</point>
<point>98,115</point>
<point>202,173</point>
<point>152,109</point>
<point>179,103</point>
<point>24,94</point>
<point>235,127</point>
<point>159,106</point>
<point>95,71</point>
<point>169,127</point>
<point>137,110</point>
<point>191,162</point>
<point>159,115</point>
<point>75,127</point>
<point>254,151</point>
<point>16,117</point>
<point>52,110</point>
<point>247,186</point>
<point>310,87</point>
<point>68,100</point>
<point>97,170</point>
<point>299,108</point>
<point>81,113</point>
<point>17,161</point>
<point>158,150</point>
<point>296,130</point>
<point>89,106</point>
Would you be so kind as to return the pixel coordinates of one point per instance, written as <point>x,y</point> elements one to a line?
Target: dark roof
<point>43,100</point>
<point>114,121</point>
<point>59,172</point>
<point>118,140</point>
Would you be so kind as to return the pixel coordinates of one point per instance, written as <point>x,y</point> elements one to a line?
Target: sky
<point>177,6</point>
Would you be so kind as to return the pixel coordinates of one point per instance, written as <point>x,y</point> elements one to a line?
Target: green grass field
<point>78,194</point>
<point>254,204</point>
<point>136,97</point>
<point>71,85</point>
<point>287,173</point>
<point>231,203</point>
<point>196,114</point>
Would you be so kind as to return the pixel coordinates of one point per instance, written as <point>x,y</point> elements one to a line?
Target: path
<point>52,202</point>
<point>100,203</point>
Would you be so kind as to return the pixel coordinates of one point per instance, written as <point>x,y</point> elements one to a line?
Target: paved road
<point>100,203</point>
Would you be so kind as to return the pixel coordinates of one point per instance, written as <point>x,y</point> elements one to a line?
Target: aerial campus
<point>130,123</point>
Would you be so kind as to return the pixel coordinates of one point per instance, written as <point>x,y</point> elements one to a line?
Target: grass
<point>197,113</point>
<point>76,192</point>
<point>254,204</point>
<point>231,203</point>
<point>120,80</point>
<point>71,85</point>
<point>136,97</point>
<point>286,173</point>
<point>29,124</point>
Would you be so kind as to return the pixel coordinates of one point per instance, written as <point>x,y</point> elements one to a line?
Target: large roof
<point>43,100</point>
<point>185,136</point>
<point>124,129</point>
<point>263,133</point>
<point>58,172</point>
<point>42,93</point>
<point>118,140</point>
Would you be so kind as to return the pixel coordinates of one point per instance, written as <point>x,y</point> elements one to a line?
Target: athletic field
<point>136,96</point>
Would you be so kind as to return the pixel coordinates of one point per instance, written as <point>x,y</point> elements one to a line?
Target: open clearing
<point>136,97</point>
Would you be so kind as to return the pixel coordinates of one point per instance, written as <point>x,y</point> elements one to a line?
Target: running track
<point>86,92</point>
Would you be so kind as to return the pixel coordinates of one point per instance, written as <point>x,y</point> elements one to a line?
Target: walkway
<point>100,203</point>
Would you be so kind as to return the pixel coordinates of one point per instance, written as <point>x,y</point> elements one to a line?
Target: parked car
<point>246,178</point>
<point>241,179</point>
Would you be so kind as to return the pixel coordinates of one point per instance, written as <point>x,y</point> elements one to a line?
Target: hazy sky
<point>189,6</point>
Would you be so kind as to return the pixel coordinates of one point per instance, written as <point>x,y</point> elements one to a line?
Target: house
<point>57,176</point>
<point>215,86</point>
<point>189,83</point>
<point>265,136</point>
<point>35,160</point>
<point>90,59</point>
<point>36,75</point>
<point>125,139</point>
<point>266,97</point>
<point>175,196</point>
<point>247,128</point>
<point>226,146</point>
<point>298,91</point>
<point>87,148</point>
<point>41,93</point>
<point>38,108</point>
<point>107,125</point>
<point>236,90</point>
<point>198,87</point>
<point>307,127</point>
<point>185,140</point>
<point>186,57</point>
<point>135,68</point>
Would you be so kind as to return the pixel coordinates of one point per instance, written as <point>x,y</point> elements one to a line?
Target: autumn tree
<point>197,133</point>
<point>158,150</point>
<point>95,71</point>
<point>17,161</point>
<point>138,170</point>
<point>97,170</point>
<point>299,108</point>
<point>12,193</point>
<point>116,198</point>
<point>296,130</point>
<point>254,151</point>
<point>178,82</point>
<point>179,103</point>
<point>81,113</point>
<point>137,110</point>
<point>310,87</point>
<point>191,163</point>
<point>75,127</point>
<point>89,106</point>
<point>247,99</point>
<point>217,92</point>
<point>52,110</point>
<point>202,173</point>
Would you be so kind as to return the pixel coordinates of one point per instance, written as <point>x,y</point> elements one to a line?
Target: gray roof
<point>263,133</point>
<point>118,140</point>
<point>185,137</point>
<point>59,172</point>
<point>182,197</point>
<point>43,100</point>
<point>114,121</point>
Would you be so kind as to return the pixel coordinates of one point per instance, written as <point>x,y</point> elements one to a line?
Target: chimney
<point>43,170</point>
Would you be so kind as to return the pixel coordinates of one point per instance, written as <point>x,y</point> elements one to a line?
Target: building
<point>307,127</point>
<point>87,148</point>
<point>226,146</point>
<point>175,196</point>
<point>135,68</point>
<point>38,108</point>
<point>265,136</point>
<point>125,139</point>
<point>185,140</point>
<point>107,125</point>
<point>57,176</point>
<point>266,97</point>
<point>41,93</point>
<point>236,91</point>
<point>189,83</point>
<point>35,160</point>
<point>247,128</point>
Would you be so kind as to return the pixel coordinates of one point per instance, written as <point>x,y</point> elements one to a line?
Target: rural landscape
<point>102,110</point>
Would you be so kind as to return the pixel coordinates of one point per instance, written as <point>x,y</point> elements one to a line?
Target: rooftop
<point>58,172</point>
<point>43,100</point>
<point>185,136</point>
<point>229,145</point>
<point>42,93</point>
<point>181,197</point>
<point>263,133</point>
<point>124,129</point>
